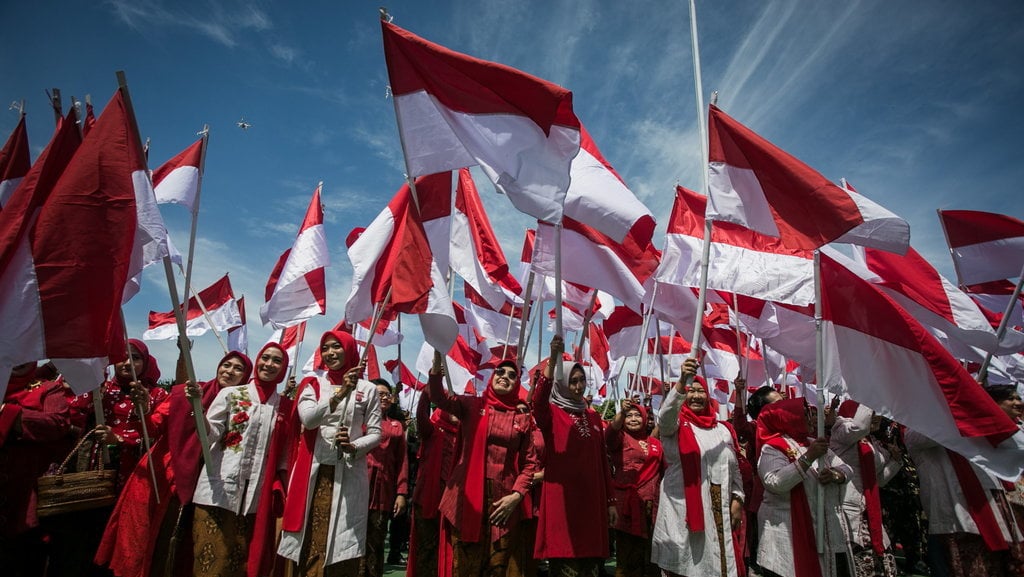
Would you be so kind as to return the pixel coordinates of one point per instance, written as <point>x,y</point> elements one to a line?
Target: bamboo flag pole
<point>522,343</point>
<point>819,357</point>
<point>558,294</point>
<point>585,331</point>
<point>645,326</point>
<point>195,220</point>
<point>739,337</point>
<point>197,405</point>
<point>703,136</point>
<point>138,410</point>
<point>298,349</point>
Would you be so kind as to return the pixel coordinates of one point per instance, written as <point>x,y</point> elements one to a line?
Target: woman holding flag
<point>325,515</point>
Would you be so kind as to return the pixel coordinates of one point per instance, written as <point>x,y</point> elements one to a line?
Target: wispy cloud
<point>222,22</point>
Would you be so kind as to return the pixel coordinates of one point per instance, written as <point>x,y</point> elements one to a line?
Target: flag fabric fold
<point>14,161</point>
<point>238,337</point>
<point>887,361</point>
<point>63,272</point>
<point>455,111</point>
<point>297,288</point>
<point>985,246</point>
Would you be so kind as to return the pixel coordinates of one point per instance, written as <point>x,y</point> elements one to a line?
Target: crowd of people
<point>322,477</point>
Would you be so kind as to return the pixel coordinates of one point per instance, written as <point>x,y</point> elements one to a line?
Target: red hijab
<point>268,388</point>
<point>476,454</point>
<point>689,454</point>
<point>295,507</point>
<point>788,418</point>
<point>181,430</point>
<point>150,371</point>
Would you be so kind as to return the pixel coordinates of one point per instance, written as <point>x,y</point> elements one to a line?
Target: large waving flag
<point>476,255</point>
<point>393,255</point>
<point>890,363</point>
<point>761,187</point>
<point>297,289</point>
<point>456,111</point>
<point>741,261</point>
<point>62,277</point>
<point>221,315</point>
<point>913,283</point>
<point>985,246</point>
<point>177,180</point>
<point>238,337</point>
<point>14,161</point>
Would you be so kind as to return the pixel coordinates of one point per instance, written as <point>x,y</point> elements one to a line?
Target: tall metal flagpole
<point>703,135</point>
<point>819,357</point>
<point>195,217</point>
<point>179,315</point>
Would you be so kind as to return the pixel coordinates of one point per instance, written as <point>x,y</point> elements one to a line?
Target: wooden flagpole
<point>206,315</point>
<point>197,405</point>
<point>739,339</point>
<point>558,294</point>
<point>195,221</point>
<point>819,357</point>
<point>298,349</point>
<point>138,410</point>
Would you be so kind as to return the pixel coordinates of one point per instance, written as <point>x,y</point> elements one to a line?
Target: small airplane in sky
<point>243,124</point>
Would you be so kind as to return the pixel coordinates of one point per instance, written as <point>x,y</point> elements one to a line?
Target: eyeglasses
<point>505,372</point>
<point>384,395</point>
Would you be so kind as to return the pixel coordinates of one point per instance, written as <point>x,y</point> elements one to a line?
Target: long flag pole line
<point>1004,324</point>
<point>138,410</point>
<point>648,313</point>
<point>377,314</point>
<point>739,337</point>
<point>661,353</point>
<point>206,315</point>
<point>179,314</point>
<point>703,136</point>
<point>398,381</point>
<point>819,355</point>
<point>508,328</point>
<point>195,217</point>
<point>585,331</point>
<point>558,293</point>
<point>298,349</point>
<point>521,343</point>
<point>956,262</point>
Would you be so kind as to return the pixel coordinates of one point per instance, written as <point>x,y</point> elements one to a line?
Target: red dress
<point>388,465</point>
<point>636,479</point>
<point>573,519</point>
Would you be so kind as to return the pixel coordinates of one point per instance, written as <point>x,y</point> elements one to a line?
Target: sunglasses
<point>505,372</point>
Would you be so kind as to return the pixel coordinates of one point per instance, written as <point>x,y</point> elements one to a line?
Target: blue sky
<point>917,103</point>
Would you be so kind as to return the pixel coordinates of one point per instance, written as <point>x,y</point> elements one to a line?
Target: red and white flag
<point>238,337</point>
<point>476,255</point>
<point>994,298</point>
<point>463,361</point>
<point>400,373</point>
<point>882,229</point>
<point>985,246</point>
<point>759,186</point>
<point>221,308</point>
<point>741,261</point>
<point>14,161</point>
<point>297,289</point>
<point>501,326</point>
<point>890,363</point>
<point>624,331</point>
<point>289,338</point>
<point>913,283</point>
<point>594,260</point>
<point>62,277</point>
<point>456,111</point>
<point>177,180</point>
<point>393,253</point>
<point>600,199</point>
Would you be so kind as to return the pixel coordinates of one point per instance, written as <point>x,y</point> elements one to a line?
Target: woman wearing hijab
<point>439,449</point>
<point>872,466</point>
<point>388,465</point>
<point>34,419</point>
<point>636,473</point>
<point>325,516</point>
<point>131,387</point>
<point>240,422</point>
<point>149,535</point>
<point>577,503</point>
<point>702,490</point>
<point>790,470</point>
<point>482,504</point>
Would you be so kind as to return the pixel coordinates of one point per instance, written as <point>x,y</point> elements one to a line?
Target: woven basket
<point>65,493</point>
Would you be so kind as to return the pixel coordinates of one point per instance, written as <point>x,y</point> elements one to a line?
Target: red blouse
<point>388,465</point>
<point>636,476</point>
<point>439,448</point>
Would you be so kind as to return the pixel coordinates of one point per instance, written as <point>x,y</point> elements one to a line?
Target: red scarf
<point>977,503</point>
<point>476,457</point>
<point>689,455</point>
<point>631,512</point>
<point>295,508</point>
<point>776,422</point>
<point>869,478</point>
<point>182,440</point>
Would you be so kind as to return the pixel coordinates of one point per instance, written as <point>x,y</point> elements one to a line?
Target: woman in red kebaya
<point>482,503</point>
<point>146,534</point>
<point>388,464</point>
<point>577,504</point>
<point>636,472</point>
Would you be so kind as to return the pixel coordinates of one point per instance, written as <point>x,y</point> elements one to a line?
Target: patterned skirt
<point>221,540</point>
<point>314,545</point>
